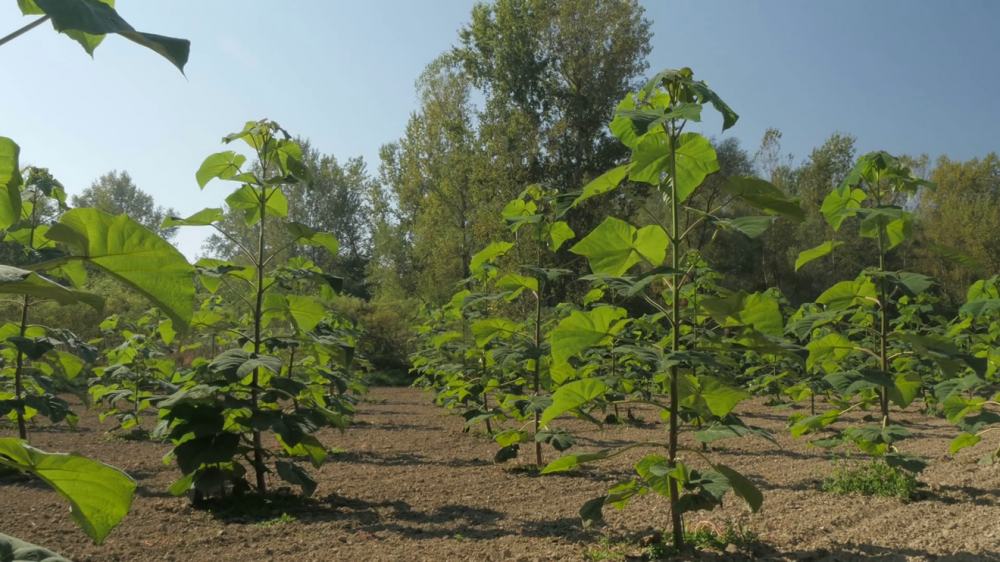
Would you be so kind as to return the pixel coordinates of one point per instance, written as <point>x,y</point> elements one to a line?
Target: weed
<point>282,519</point>
<point>874,478</point>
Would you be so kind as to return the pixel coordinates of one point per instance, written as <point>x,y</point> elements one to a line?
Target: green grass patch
<point>872,478</point>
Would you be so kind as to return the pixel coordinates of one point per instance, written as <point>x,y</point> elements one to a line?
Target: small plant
<point>282,519</point>
<point>872,478</point>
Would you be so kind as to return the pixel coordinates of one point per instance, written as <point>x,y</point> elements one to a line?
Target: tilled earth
<point>410,485</point>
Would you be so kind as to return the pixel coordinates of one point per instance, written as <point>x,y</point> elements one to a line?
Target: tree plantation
<point>560,319</point>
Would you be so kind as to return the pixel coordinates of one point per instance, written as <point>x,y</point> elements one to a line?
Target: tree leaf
<point>485,256</point>
<point>557,234</point>
<point>742,487</point>
<point>18,281</point>
<point>10,183</point>
<point>572,395</point>
<point>488,329</point>
<point>21,551</point>
<point>814,253</point>
<point>749,226</point>
<point>765,196</point>
<point>608,181</point>
<point>962,441</point>
<point>306,235</point>
<point>96,18</point>
<point>297,476</point>
<point>222,165</point>
<point>203,217</point>
<point>131,254</point>
<point>99,495</point>
<point>582,330</point>
<point>695,160</point>
<point>615,246</point>
<point>569,462</point>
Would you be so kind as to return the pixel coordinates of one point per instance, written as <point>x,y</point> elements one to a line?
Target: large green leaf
<point>247,199</point>
<point>840,204</point>
<point>222,165</point>
<point>603,183</point>
<point>305,311</point>
<point>847,293</point>
<point>762,312</point>
<point>23,282</point>
<point>615,246</point>
<point>16,550</point>
<point>806,256</point>
<point>742,487</point>
<point>582,330</point>
<point>763,195</point>
<point>486,330</point>
<point>828,351</point>
<point>486,256</point>
<point>749,226</point>
<point>306,235</point>
<point>203,217</point>
<point>99,495</point>
<point>572,395</point>
<point>10,183</point>
<point>132,254</point>
<point>695,160</point>
<point>87,20</point>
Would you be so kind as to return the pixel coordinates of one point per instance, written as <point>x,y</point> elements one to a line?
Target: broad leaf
<point>22,282</point>
<point>603,183</point>
<point>572,395</point>
<point>99,495</point>
<point>10,183</point>
<point>95,18</point>
<point>131,254</point>
<point>222,165</point>
<point>615,246</point>
<point>203,217</point>
<point>487,255</point>
<point>763,195</point>
<point>582,330</point>
<point>814,253</point>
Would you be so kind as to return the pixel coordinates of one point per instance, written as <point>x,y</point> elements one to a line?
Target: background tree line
<point>524,97</point>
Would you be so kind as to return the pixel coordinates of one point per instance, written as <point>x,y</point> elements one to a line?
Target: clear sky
<point>908,76</point>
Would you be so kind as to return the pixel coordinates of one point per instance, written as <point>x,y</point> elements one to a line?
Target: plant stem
<point>538,366</point>
<point>19,32</point>
<point>883,312</point>
<point>22,430</point>
<point>677,522</point>
<point>258,450</point>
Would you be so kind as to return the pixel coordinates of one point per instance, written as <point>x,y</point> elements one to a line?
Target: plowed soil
<point>410,485</point>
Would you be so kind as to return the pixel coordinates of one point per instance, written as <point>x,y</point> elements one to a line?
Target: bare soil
<point>410,485</point>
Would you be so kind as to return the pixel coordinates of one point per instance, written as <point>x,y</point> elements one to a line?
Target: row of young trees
<point>235,353</point>
<point>657,324</point>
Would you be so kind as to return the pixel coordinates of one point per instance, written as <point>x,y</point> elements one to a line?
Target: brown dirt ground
<point>411,486</point>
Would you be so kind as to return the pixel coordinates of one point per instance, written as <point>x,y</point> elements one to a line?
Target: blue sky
<point>908,76</point>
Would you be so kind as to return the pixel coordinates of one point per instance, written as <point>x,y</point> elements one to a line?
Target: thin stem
<point>538,366</point>
<point>19,32</point>
<point>675,341</point>
<point>22,430</point>
<point>258,450</point>
<point>883,335</point>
